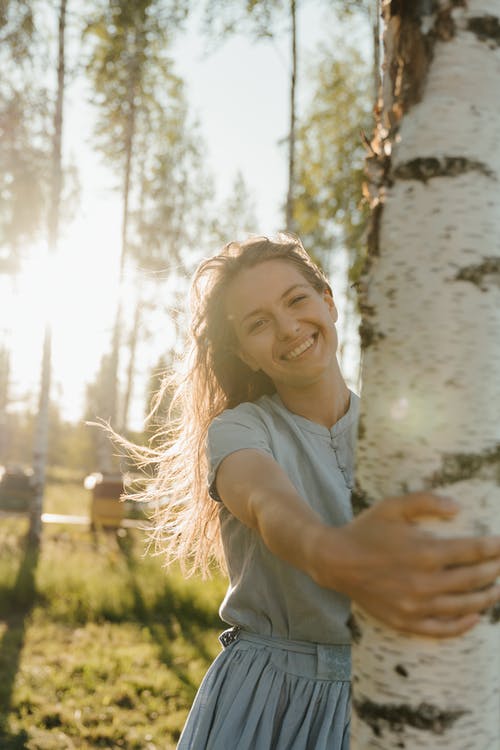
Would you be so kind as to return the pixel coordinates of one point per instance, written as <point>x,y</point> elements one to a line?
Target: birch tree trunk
<point>132,345</point>
<point>116,341</point>
<point>4,400</point>
<point>431,359</point>
<point>376,48</point>
<point>41,438</point>
<point>293,110</point>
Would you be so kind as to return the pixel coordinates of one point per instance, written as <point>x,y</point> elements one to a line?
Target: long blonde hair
<point>211,378</point>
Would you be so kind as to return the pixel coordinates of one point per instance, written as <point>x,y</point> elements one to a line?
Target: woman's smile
<point>301,348</point>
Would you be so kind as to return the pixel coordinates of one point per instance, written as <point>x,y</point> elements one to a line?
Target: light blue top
<point>267,595</point>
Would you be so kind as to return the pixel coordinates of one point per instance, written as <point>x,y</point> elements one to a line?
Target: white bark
<point>41,437</point>
<point>291,137</point>
<point>431,389</point>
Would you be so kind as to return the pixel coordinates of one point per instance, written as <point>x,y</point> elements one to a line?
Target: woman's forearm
<point>410,580</point>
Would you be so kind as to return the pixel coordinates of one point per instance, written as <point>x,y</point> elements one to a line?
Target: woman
<point>266,415</point>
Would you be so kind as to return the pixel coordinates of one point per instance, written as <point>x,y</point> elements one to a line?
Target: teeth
<point>299,349</point>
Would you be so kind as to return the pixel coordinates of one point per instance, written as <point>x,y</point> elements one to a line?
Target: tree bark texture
<point>113,396</point>
<point>4,400</point>
<point>430,301</point>
<point>132,345</point>
<point>41,438</point>
<point>293,107</point>
<point>376,50</point>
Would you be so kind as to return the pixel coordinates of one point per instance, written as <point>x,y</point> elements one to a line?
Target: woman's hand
<point>393,569</point>
<point>404,576</point>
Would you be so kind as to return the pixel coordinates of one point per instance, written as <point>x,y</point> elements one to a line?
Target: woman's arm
<point>400,574</point>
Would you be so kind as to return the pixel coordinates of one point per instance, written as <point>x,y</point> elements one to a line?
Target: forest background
<point>136,139</point>
<point>185,197</point>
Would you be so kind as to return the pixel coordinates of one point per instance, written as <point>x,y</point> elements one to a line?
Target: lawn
<point>100,647</point>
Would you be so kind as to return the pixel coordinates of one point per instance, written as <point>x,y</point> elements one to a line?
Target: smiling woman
<point>291,336</point>
<point>257,472</point>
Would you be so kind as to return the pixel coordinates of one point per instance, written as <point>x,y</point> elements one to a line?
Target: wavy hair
<point>210,379</point>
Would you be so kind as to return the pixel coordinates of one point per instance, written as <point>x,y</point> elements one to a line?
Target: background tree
<point>132,78</point>
<point>330,212</point>
<point>23,163</point>
<point>4,390</point>
<point>168,227</point>
<point>236,218</point>
<point>223,17</point>
<point>265,19</point>
<point>431,379</point>
<point>40,445</point>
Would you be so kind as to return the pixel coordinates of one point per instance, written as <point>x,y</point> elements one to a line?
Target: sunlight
<point>37,288</point>
<point>76,292</point>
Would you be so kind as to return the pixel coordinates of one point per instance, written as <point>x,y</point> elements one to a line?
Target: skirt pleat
<point>260,697</point>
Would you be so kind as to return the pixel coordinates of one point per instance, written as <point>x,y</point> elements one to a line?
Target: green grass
<point>66,494</point>
<point>100,647</point>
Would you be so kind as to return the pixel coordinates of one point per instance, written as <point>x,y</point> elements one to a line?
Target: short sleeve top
<point>267,595</point>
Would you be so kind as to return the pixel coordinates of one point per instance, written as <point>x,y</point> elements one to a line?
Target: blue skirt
<point>272,694</point>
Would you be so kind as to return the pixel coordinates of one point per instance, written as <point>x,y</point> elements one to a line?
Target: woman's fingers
<point>437,628</point>
<point>441,552</point>
<point>457,606</point>
<point>418,504</point>
<point>444,553</point>
<point>462,579</point>
<point>427,624</point>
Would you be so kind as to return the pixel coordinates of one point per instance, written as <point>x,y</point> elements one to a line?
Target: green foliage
<point>24,145</point>
<point>129,68</point>
<point>259,17</point>
<point>329,209</point>
<point>16,27</point>
<point>23,167</point>
<point>143,130</point>
<point>174,189</point>
<point>70,444</point>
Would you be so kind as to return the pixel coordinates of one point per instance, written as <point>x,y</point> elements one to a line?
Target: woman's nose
<point>286,326</point>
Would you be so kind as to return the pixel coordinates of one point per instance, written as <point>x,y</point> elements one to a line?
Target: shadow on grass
<point>21,601</point>
<point>161,625</point>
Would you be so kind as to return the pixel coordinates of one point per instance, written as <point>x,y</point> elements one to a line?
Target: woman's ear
<point>247,360</point>
<point>328,297</point>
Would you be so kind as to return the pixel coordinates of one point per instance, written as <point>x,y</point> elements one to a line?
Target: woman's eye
<point>256,325</point>
<point>298,299</point>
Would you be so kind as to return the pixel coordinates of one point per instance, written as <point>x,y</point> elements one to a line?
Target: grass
<point>100,647</point>
<point>66,493</point>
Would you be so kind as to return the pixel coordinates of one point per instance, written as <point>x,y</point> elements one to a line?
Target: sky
<point>239,94</point>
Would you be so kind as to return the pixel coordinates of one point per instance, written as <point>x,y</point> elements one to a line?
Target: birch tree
<point>132,78</point>
<point>23,168</point>
<point>40,445</point>
<point>226,17</point>
<point>168,227</point>
<point>431,377</point>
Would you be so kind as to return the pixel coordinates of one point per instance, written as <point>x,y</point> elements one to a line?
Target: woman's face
<point>283,326</point>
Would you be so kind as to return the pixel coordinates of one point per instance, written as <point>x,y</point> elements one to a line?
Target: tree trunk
<point>431,360</point>
<point>376,50</point>
<point>40,447</point>
<point>291,137</point>
<point>4,400</point>
<point>134,338</point>
<point>112,383</point>
<point>118,325</point>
